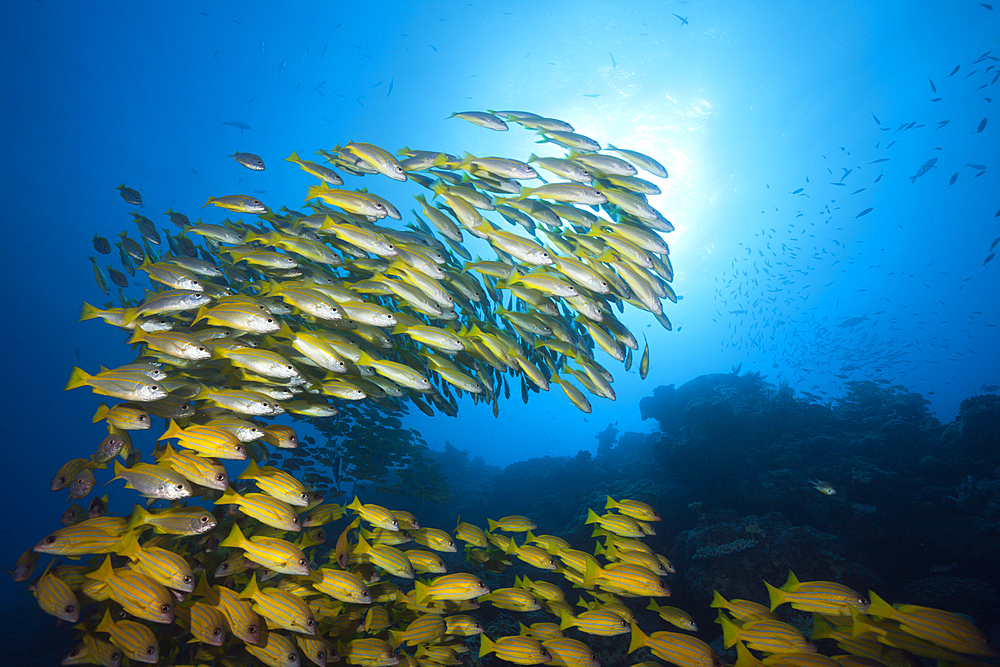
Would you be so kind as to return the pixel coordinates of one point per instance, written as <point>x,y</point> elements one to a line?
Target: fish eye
<point>141,418</point>
<point>862,600</point>
<point>321,656</point>
<point>50,539</point>
<point>304,496</point>
<point>164,608</point>
<point>220,477</point>
<point>69,609</point>
<point>204,518</point>
<point>180,486</point>
<point>311,622</point>
<point>150,650</point>
<point>252,630</point>
<point>239,448</point>
<point>390,246</point>
<point>293,657</point>
<point>216,632</point>
<point>153,387</point>
<point>115,656</point>
<point>295,521</point>
<point>270,321</point>
<point>186,579</point>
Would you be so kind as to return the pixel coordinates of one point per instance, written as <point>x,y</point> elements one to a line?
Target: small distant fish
<point>390,87</point>
<point>954,71</point>
<point>879,178</point>
<point>941,123</point>
<point>989,258</point>
<point>992,387</point>
<point>614,64</point>
<point>239,124</point>
<point>434,47</point>
<point>933,87</point>
<point>923,169</point>
<point>881,159</point>
<point>976,166</point>
<point>798,191</point>
<point>823,487</point>
<point>982,126</point>
<point>877,121</point>
<point>864,212</point>
<point>249,160</point>
<point>858,190</point>
<point>129,195</point>
<point>592,95</point>
<point>683,19</point>
<point>994,244</point>
<point>954,177</point>
<point>102,246</point>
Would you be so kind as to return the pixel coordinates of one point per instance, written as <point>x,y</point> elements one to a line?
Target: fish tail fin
<point>130,315</point>
<point>138,336</point>
<point>485,645</point>
<point>791,582</point>
<point>173,431</point>
<point>105,572</point>
<point>253,470</point>
<point>718,601</point>
<point>139,515</point>
<point>652,606</point>
<point>492,524</point>
<point>743,655</point>
<point>102,412</point>
<point>730,633</point>
<point>821,628</point>
<point>420,591</point>
<point>106,623</point>
<point>566,620</point>
<point>777,596</point>
<point>229,497</point>
<point>880,607</point>
<point>638,639</point>
<point>599,549</point>
<point>235,538</point>
<point>128,546</point>
<point>78,378</point>
<point>591,516</point>
<point>88,312</point>
<point>610,504</point>
<point>251,588</point>
<point>591,572</point>
<point>354,504</point>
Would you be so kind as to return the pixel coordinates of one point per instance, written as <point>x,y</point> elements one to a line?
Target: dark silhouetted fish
<point>954,177</point>
<point>864,212</point>
<point>239,124</point>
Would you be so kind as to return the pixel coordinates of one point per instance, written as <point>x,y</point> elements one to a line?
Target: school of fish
<point>328,307</point>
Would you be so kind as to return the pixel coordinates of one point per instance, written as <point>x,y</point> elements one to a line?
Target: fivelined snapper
<point>679,649</point>
<point>825,597</point>
<point>280,608</point>
<point>515,648</point>
<point>368,652</point>
<point>162,566</point>
<point>273,553</point>
<point>203,471</point>
<point>457,586</point>
<point>319,171</point>
<point>374,514</point>
<point>207,441</point>
<point>206,623</point>
<point>56,598</point>
<point>264,508</point>
<point>135,639</point>
<point>943,628</point>
<point>633,508</point>
<point>139,594</point>
<point>277,484</point>
<point>275,650</point>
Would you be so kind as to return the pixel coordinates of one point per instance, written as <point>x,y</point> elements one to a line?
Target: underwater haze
<point>834,189</point>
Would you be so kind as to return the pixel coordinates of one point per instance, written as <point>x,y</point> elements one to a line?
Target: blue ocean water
<point>781,124</point>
